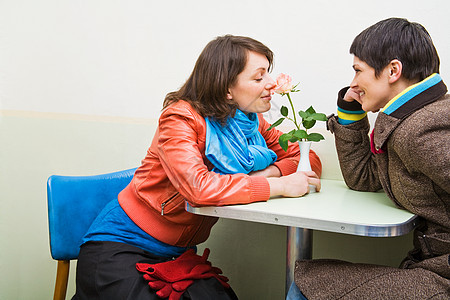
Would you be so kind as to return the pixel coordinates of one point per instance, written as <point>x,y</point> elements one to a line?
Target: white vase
<point>304,163</point>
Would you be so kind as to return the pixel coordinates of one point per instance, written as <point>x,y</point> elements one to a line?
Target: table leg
<point>299,246</point>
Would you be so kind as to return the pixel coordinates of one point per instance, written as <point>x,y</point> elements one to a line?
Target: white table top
<point>335,208</point>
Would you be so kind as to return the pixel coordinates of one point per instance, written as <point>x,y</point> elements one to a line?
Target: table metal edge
<point>370,230</point>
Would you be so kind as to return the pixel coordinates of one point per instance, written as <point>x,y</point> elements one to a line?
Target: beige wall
<point>119,58</point>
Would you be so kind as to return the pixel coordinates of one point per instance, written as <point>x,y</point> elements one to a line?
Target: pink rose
<point>284,84</point>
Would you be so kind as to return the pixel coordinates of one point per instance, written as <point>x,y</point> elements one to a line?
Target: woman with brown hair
<point>211,147</point>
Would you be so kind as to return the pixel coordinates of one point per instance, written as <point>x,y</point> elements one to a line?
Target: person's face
<point>374,92</point>
<point>254,87</point>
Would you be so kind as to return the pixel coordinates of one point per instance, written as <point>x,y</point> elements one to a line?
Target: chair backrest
<point>73,204</point>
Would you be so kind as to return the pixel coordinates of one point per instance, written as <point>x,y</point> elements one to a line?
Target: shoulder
<point>441,106</point>
<point>430,116</point>
<point>180,107</point>
<point>429,124</point>
<point>263,124</point>
<point>182,112</point>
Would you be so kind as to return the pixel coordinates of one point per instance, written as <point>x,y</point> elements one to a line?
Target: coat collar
<point>404,104</point>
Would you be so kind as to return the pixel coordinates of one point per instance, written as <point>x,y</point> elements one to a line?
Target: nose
<point>271,84</point>
<point>353,84</point>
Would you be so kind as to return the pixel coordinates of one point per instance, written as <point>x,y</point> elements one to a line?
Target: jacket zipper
<point>165,202</point>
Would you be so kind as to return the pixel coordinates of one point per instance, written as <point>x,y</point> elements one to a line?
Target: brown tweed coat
<point>414,171</point>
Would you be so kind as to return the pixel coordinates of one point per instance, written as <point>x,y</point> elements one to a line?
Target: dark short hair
<point>397,38</point>
<point>215,71</point>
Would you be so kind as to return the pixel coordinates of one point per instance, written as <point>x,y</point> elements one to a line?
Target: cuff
<point>260,189</point>
<point>348,112</point>
<point>286,166</point>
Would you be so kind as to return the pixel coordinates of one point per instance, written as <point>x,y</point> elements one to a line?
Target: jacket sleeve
<point>179,152</point>
<point>287,162</point>
<point>357,162</point>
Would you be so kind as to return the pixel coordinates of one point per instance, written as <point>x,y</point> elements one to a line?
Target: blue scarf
<point>237,147</point>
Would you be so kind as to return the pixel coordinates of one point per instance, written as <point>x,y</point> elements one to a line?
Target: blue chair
<point>73,204</point>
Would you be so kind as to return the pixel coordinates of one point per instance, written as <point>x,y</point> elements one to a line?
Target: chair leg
<point>62,277</point>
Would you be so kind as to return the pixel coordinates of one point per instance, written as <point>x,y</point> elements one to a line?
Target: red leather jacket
<point>176,170</point>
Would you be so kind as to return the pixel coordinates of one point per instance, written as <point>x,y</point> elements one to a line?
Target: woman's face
<point>374,92</point>
<point>254,87</point>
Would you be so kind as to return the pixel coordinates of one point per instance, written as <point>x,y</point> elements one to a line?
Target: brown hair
<point>397,38</point>
<point>215,71</point>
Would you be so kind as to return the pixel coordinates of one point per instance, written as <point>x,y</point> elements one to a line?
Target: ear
<point>395,68</point>
<point>229,96</point>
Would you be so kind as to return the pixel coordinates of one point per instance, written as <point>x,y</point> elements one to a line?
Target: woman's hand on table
<point>293,185</point>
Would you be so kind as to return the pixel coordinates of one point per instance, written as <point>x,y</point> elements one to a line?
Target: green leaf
<point>310,110</point>
<point>302,114</point>
<point>315,137</point>
<point>308,123</point>
<point>278,122</point>
<point>283,140</point>
<point>293,138</point>
<point>284,111</point>
<point>319,117</point>
<point>300,134</point>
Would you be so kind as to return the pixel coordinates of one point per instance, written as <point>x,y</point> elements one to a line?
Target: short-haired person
<point>407,154</point>
<point>211,147</point>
